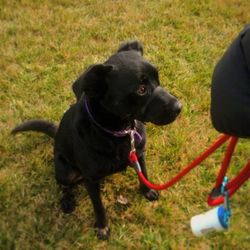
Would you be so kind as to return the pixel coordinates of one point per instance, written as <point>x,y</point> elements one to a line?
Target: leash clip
<point>132,141</point>
<point>224,192</point>
<point>132,154</point>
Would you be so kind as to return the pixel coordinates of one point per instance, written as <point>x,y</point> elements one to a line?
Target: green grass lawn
<point>44,46</point>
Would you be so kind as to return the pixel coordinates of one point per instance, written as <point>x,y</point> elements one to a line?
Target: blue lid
<point>223,217</point>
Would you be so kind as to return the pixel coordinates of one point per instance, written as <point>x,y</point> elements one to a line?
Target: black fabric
<point>230,92</point>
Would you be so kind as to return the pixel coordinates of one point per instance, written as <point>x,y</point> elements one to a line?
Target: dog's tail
<point>42,126</point>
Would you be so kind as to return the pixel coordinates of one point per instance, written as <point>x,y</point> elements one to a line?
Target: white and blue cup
<point>213,220</point>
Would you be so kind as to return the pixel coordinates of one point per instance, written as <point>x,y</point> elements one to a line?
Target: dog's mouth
<point>168,116</point>
<point>161,118</point>
<point>161,109</point>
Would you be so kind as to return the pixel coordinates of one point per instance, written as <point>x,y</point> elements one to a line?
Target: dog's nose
<point>177,108</point>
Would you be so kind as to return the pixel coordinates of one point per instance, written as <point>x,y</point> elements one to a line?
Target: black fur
<point>122,92</point>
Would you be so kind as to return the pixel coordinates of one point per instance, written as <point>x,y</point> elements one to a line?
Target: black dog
<point>93,140</point>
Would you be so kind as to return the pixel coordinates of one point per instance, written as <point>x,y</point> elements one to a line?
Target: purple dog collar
<point>120,133</point>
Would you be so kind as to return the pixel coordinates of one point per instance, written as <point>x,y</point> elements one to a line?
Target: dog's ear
<point>92,81</point>
<point>131,45</point>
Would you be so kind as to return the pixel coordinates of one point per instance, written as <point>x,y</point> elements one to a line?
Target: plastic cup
<point>209,221</point>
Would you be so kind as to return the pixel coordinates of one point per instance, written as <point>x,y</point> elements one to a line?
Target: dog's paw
<point>131,45</point>
<point>68,204</point>
<point>103,233</point>
<point>152,195</point>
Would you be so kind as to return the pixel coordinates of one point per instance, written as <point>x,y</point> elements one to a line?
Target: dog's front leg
<point>101,223</point>
<point>150,194</point>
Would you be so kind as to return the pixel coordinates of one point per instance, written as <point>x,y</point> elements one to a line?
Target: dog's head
<point>128,86</point>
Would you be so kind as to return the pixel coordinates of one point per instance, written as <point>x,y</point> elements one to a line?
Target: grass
<point>44,46</point>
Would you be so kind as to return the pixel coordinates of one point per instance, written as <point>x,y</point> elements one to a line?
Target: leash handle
<point>232,186</point>
<point>226,161</point>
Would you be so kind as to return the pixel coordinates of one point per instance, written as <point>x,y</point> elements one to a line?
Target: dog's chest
<point>107,157</point>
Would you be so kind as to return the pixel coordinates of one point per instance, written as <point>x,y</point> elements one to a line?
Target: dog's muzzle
<point>161,108</point>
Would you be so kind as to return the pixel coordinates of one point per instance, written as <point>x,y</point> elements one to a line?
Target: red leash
<point>215,197</point>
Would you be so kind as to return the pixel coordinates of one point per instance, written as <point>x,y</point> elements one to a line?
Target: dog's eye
<point>142,90</point>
